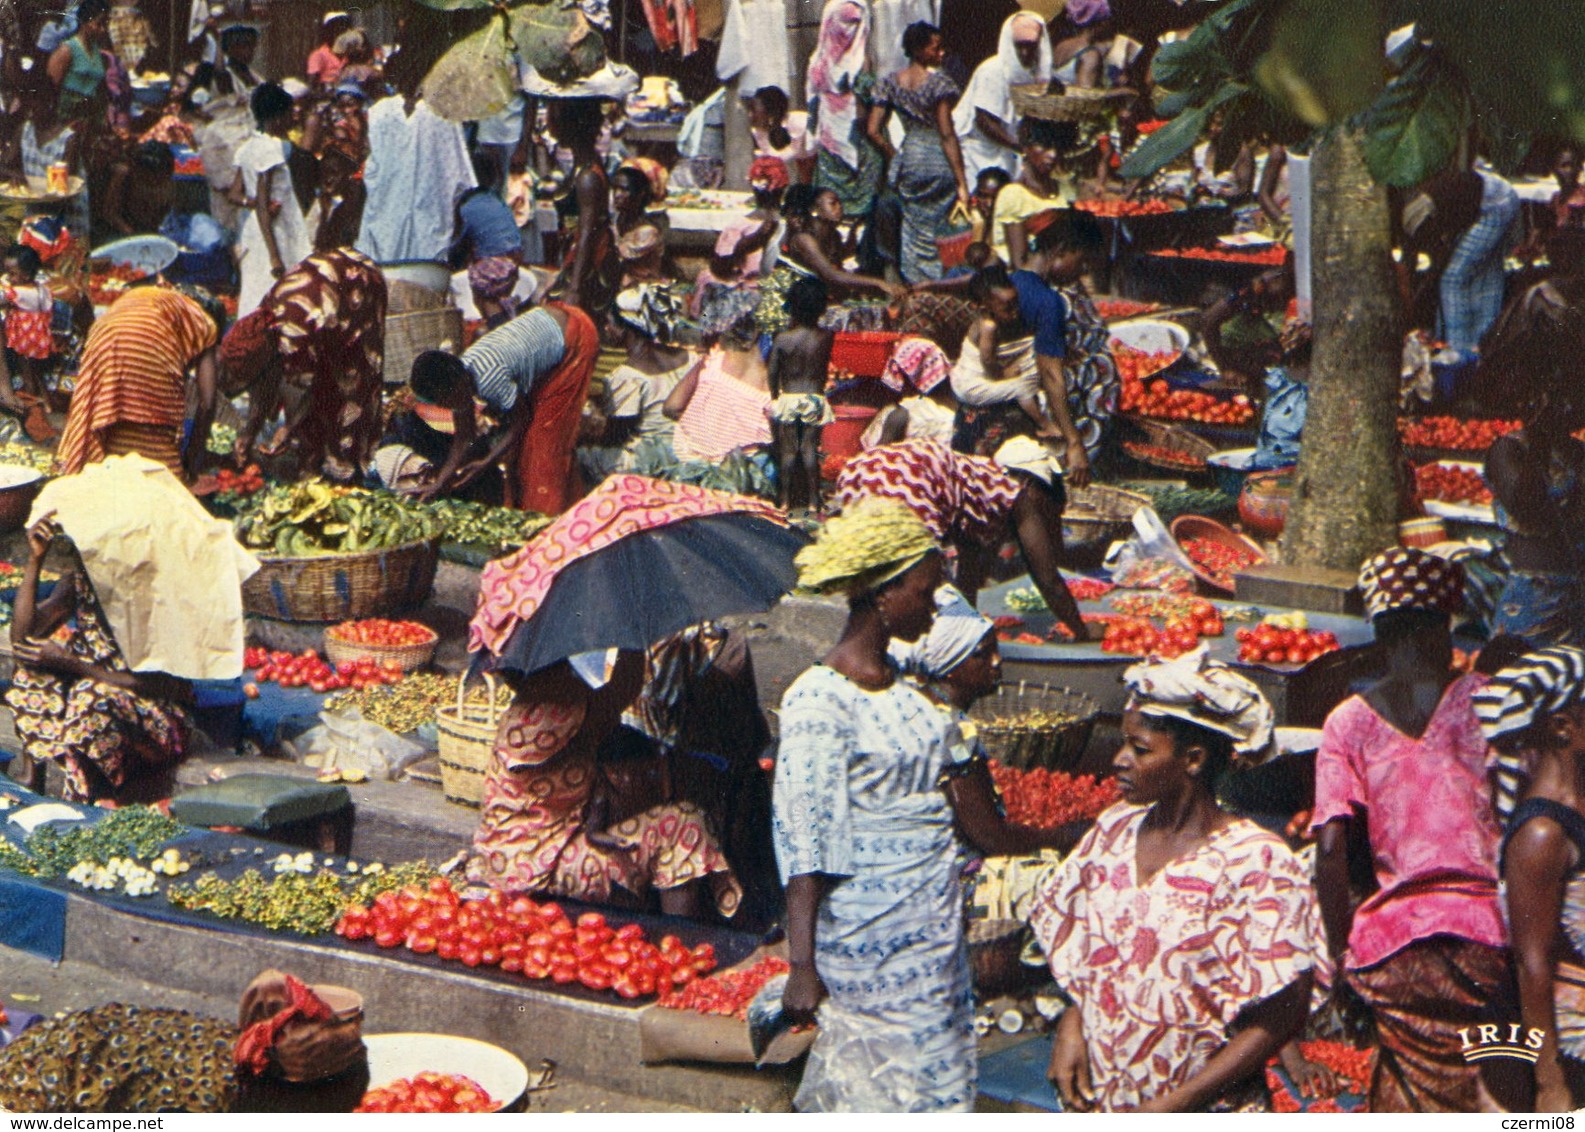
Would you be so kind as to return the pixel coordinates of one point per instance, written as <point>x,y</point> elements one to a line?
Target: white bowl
<point>394,1057</point>
<point>1152,335</point>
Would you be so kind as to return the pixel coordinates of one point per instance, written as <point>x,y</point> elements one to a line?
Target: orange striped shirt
<point>134,370</point>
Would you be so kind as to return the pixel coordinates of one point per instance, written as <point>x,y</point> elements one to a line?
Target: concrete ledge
<point>592,1042</point>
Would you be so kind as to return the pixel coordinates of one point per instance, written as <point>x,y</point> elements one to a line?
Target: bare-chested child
<point>800,359</point>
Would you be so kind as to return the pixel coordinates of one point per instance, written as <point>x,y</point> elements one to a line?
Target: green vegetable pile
<point>308,905</point>
<point>402,707</point>
<point>478,524</point>
<point>222,439</point>
<point>1171,502</point>
<point>313,518</point>
<point>51,850</point>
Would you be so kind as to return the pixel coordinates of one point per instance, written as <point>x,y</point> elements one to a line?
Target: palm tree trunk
<point>1345,504</point>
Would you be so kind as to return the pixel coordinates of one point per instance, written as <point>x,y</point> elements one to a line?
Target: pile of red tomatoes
<point>1452,433</point>
<point>1449,484</point>
<point>429,1092</point>
<point>524,936</point>
<point>727,993</point>
<point>308,669</point>
<point>1160,400</point>
<point>1218,559</point>
<point>379,631</point>
<point>1047,799</point>
<point>1271,644</point>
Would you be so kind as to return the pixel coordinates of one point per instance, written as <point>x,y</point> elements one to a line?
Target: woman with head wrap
<point>985,119</point>
<point>1533,713</point>
<point>1427,951</point>
<point>920,370</point>
<point>747,247</point>
<point>294,1048</point>
<point>838,88</point>
<point>631,409</point>
<point>1187,938</point>
<point>721,405</point>
<point>867,838</point>
<point>1079,56</point>
<point>639,222</point>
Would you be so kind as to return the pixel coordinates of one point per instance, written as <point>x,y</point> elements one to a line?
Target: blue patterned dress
<point>858,798</point>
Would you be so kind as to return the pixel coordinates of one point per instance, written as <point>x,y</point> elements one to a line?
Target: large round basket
<point>1028,725</point>
<point>1169,447</point>
<point>1035,100</point>
<point>1099,514</point>
<point>342,587</point>
<point>407,657</point>
<point>466,738</point>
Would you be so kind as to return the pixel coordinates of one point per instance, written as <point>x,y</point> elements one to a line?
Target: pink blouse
<point>1427,807</point>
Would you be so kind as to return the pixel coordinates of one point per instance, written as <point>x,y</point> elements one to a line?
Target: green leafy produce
<point>309,905</point>
<point>314,517</point>
<point>409,705</point>
<point>222,439</point>
<point>51,850</point>
<point>1026,599</point>
<point>1171,502</point>
<point>478,524</point>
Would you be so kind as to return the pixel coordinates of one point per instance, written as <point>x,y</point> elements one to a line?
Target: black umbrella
<point>653,583</point>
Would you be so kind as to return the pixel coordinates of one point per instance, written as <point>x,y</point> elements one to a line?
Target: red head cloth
<point>246,339</point>
<point>768,173</point>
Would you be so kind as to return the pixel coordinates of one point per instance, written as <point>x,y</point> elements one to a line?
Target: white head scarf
<point>954,635</point>
<point>1198,689</point>
<point>839,57</point>
<point>990,89</point>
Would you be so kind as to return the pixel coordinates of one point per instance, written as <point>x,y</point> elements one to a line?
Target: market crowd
<point>323,210</point>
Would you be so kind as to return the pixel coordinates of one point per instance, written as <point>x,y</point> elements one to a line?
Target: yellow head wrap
<point>867,545</point>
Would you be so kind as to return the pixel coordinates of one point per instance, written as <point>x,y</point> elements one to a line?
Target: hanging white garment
<point>890,18</point>
<point>754,45</point>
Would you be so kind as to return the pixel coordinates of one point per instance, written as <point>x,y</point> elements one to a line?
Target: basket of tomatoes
<point>1216,553</point>
<point>407,644</point>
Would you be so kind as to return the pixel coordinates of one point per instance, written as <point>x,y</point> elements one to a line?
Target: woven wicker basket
<point>1191,451</point>
<point>409,334</point>
<point>467,738</point>
<point>342,587</point>
<point>1035,100</point>
<point>1052,745</point>
<point>1099,513</point>
<point>408,657</point>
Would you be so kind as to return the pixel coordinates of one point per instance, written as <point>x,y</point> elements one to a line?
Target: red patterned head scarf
<point>246,340</point>
<point>1406,578</point>
<point>916,362</point>
<point>768,174</point>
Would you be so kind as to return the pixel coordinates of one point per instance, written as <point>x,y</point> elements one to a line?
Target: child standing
<point>800,359</point>
<point>274,233</point>
<point>30,307</point>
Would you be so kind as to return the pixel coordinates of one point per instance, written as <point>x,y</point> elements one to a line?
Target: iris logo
<point>1482,1042</point>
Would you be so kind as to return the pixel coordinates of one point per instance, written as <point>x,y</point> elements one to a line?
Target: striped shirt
<point>134,370</point>
<point>724,414</point>
<point>506,362</point>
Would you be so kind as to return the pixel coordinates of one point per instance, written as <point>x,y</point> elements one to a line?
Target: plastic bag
<point>859,1065</point>
<point>350,742</point>
<point>1151,541</point>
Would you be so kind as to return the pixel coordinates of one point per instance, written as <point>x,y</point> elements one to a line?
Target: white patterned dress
<point>858,798</point>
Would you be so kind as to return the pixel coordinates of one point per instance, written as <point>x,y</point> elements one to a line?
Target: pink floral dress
<point>1161,970</point>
